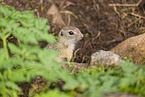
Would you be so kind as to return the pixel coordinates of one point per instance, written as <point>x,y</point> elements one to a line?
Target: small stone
<point>105,58</point>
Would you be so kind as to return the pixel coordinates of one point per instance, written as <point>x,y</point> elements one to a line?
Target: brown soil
<point>103,26</point>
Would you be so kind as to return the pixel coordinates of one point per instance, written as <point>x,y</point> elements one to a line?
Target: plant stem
<point>5,47</point>
<point>3,83</point>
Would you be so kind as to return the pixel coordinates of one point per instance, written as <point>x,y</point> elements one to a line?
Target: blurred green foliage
<point>24,60</point>
<point>27,59</point>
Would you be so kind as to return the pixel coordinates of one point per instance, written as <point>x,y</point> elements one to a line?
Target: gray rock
<point>105,58</point>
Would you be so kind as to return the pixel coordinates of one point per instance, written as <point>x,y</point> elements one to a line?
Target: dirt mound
<point>133,48</point>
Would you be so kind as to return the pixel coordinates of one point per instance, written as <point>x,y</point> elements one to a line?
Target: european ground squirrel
<point>68,37</point>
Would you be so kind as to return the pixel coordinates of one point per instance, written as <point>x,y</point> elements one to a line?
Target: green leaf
<point>12,62</point>
<point>18,75</point>
<point>13,86</point>
<point>128,67</point>
<point>14,49</point>
<point>47,56</point>
<point>41,24</point>
<point>53,93</point>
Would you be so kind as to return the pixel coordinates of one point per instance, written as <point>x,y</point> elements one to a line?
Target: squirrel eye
<point>61,33</point>
<point>71,33</point>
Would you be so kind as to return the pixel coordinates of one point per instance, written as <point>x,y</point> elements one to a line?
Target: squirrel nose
<point>82,36</point>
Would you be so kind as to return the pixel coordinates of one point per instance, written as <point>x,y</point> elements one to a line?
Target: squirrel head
<point>70,33</point>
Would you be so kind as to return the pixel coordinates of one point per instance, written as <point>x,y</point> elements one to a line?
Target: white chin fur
<point>71,43</point>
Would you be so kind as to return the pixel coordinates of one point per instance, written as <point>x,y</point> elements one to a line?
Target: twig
<point>94,5</point>
<point>41,1</point>
<point>67,4</point>
<point>3,3</point>
<point>97,35</point>
<point>115,9</point>
<point>134,21</point>
<point>62,3</point>
<point>86,42</point>
<point>138,15</point>
<point>127,5</point>
<point>69,20</point>
<point>83,59</point>
<point>114,40</point>
<point>139,2</point>
<point>76,52</point>
<point>69,12</point>
<point>37,13</point>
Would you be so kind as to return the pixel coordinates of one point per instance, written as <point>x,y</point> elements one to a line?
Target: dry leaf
<point>57,18</point>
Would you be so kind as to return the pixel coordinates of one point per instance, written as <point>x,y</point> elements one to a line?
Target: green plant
<point>24,59</point>
<point>53,93</point>
<point>27,60</point>
<point>96,82</point>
